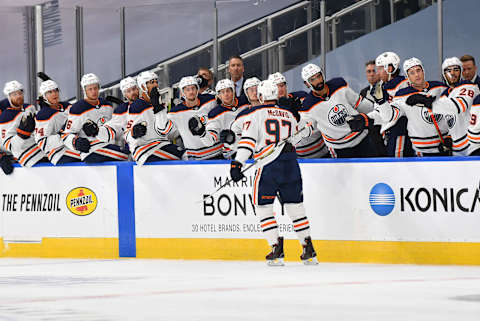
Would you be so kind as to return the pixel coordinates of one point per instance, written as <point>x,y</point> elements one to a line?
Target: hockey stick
<point>43,76</point>
<point>255,162</point>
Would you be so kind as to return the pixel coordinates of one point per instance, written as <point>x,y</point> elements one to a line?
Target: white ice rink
<point>133,289</point>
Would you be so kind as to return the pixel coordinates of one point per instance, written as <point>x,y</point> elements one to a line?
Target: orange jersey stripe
<point>22,160</point>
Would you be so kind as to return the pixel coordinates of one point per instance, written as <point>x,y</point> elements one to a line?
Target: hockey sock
<point>300,222</point>
<point>268,223</point>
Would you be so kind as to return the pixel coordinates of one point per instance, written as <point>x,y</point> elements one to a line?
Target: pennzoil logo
<point>81,201</point>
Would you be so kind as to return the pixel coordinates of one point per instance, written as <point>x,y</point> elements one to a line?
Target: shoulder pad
<point>45,113</point>
<point>405,91</point>
<point>336,83</point>
<point>300,94</point>
<point>8,115</point>
<point>121,109</point>
<point>138,106</point>
<point>4,104</point>
<point>179,107</point>
<point>80,107</point>
<point>205,98</point>
<point>216,111</point>
<point>393,83</point>
<point>435,83</point>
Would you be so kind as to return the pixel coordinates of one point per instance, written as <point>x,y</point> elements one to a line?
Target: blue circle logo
<point>382,199</point>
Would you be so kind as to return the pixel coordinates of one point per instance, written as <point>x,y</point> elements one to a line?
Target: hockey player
<point>398,144</point>
<point>222,116</point>
<point>229,137</point>
<point>188,120</point>
<point>85,116</point>
<point>309,147</point>
<point>427,130</point>
<point>454,104</point>
<point>113,131</point>
<point>17,124</point>
<point>268,129</point>
<point>145,139</point>
<point>50,122</point>
<point>328,106</point>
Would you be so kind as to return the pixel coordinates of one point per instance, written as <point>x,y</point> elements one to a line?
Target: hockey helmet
<point>127,83</point>
<point>277,78</point>
<point>267,90</point>
<point>310,70</point>
<point>46,86</point>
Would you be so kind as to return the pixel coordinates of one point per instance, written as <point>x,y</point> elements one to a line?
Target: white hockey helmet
<point>449,62</point>
<point>386,59</point>
<point>11,87</point>
<point>310,70</point>
<point>89,79</point>
<point>267,90</point>
<point>127,83</point>
<point>277,78</point>
<point>250,82</point>
<point>46,86</point>
<point>412,62</point>
<point>143,78</point>
<point>224,84</point>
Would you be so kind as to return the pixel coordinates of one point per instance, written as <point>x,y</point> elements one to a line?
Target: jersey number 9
<point>273,128</point>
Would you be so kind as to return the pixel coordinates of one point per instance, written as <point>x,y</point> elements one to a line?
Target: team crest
<point>102,121</point>
<point>426,116</point>
<point>337,115</point>
<point>451,120</point>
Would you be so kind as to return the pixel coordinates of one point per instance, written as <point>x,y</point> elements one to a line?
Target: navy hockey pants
<point>281,176</point>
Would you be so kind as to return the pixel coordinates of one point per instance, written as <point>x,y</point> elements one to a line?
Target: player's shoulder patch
<point>336,83</point>
<point>138,106</point>
<point>205,98</point>
<point>45,113</point>
<point>121,109</point>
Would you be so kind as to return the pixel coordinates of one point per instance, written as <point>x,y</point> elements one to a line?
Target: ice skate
<point>309,256</point>
<point>276,256</point>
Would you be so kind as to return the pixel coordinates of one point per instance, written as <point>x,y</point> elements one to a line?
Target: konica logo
<point>382,199</point>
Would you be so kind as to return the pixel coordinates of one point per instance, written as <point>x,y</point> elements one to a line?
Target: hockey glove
<point>155,100</point>
<point>196,126</point>
<point>26,126</point>
<point>90,128</point>
<point>227,136</point>
<point>293,104</point>
<point>6,164</point>
<point>379,94</point>
<point>420,100</point>
<point>81,144</point>
<point>202,82</point>
<point>359,122</point>
<point>139,130</point>
<point>236,171</point>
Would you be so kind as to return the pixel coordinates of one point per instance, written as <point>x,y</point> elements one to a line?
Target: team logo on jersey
<point>81,201</point>
<point>451,120</point>
<point>427,116</point>
<point>337,115</point>
<point>382,199</point>
<point>102,120</point>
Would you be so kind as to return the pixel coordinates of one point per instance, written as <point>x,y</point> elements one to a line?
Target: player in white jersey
<point>188,119</point>
<point>266,127</point>
<point>50,122</point>
<point>454,103</point>
<point>113,131</point>
<point>85,114</point>
<point>230,137</point>
<point>426,130</point>
<point>17,123</point>
<point>328,106</point>
<point>222,116</point>
<point>309,147</point>
<point>144,137</point>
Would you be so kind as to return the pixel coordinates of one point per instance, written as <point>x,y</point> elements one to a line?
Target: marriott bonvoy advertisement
<point>391,201</point>
<point>58,202</point>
